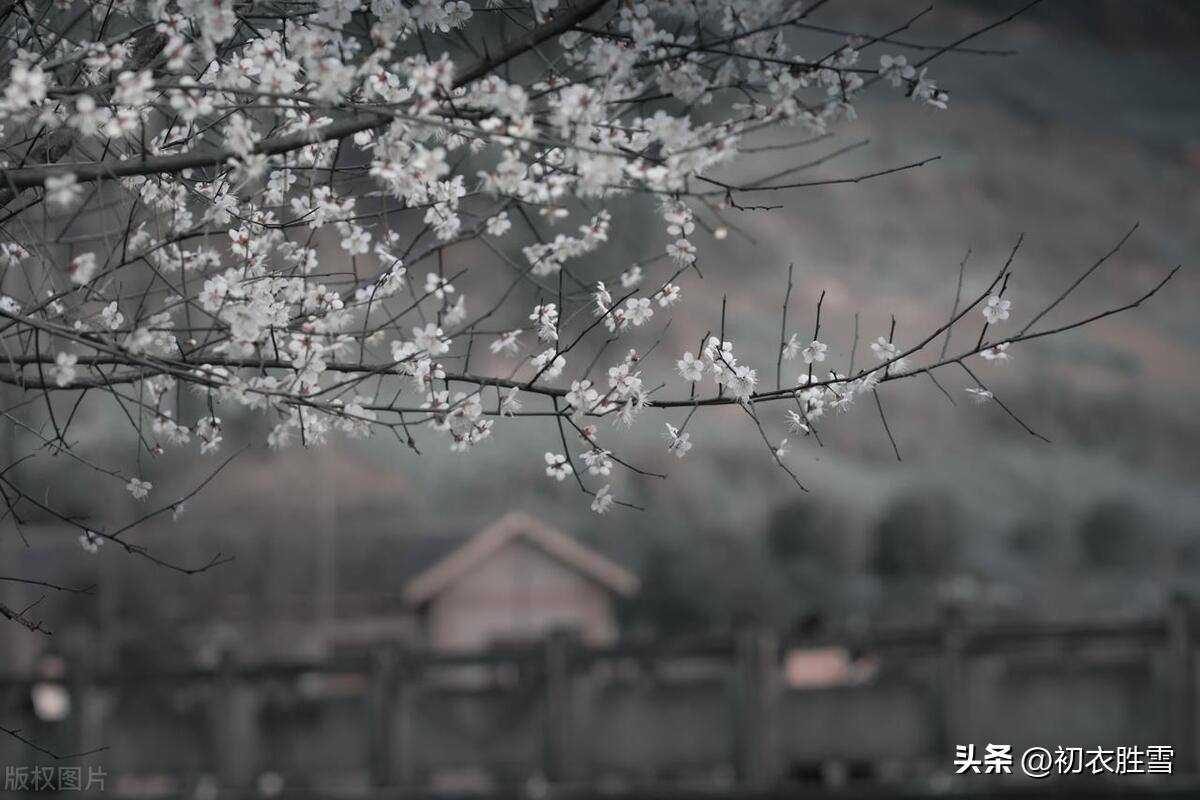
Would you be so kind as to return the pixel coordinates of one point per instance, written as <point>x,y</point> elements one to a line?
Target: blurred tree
<point>808,543</point>
<point>706,583</point>
<point>808,531</point>
<point>917,537</point>
<point>1113,535</point>
<point>1035,541</point>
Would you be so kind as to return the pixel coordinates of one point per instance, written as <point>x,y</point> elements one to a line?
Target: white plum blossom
<point>979,394</point>
<point>682,252</point>
<point>739,379</point>
<point>113,318</point>
<point>89,118</point>
<point>90,542</point>
<point>62,190</point>
<point>457,313</point>
<point>499,225</point>
<point>669,295</point>
<point>719,356</point>
<point>26,86</point>
<point>998,353</point>
<point>510,405</point>
<point>438,286</point>
<point>791,348</point>
<point>883,349</point>
<point>814,352</point>
<point>507,343</point>
<point>603,500</point>
<point>208,431</point>
<point>741,382</point>
<point>603,298</point>
<point>165,427</point>
<point>64,369</point>
<point>598,461</point>
<point>12,254</point>
<point>557,466</point>
<point>690,368</point>
<point>637,311</point>
<point>996,309</point>
<point>549,363</point>
<point>887,351</point>
<point>138,488</point>
<point>357,241</point>
<point>925,90</point>
<point>896,69</point>
<point>431,339</point>
<point>582,397</point>
<point>677,443</point>
<point>545,318</point>
<point>626,389</point>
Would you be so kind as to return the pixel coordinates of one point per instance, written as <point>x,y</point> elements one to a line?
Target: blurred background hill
<point>1092,126</point>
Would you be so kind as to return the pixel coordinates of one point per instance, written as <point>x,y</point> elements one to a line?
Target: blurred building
<point>516,580</point>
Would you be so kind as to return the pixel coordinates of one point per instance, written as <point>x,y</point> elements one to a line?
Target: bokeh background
<point>1092,125</point>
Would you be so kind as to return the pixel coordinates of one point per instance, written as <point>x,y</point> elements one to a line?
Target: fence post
<point>1181,655</point>
<point>381,714</point>
<point>236,730</point>
<point>92,701</point>
<point>757,698</point>
<point>564,740</point>
<point>404,709</point>
<point>956,727</point>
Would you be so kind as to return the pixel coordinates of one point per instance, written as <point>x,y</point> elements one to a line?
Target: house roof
<point>464,557</point>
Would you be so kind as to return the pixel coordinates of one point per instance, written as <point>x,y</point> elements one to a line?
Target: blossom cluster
<point>316,206</point>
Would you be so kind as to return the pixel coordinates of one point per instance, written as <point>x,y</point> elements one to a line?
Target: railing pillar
<point>757,701</point>
<point>1181,655</point>
<point>92,703</point>
<point>956,723</point>
<point>405,720</point>
<point>565,737</point>
<point>236,727</point>
<point>381,701</point>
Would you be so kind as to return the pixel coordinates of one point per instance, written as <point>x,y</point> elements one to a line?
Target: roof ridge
<point>519,524</point>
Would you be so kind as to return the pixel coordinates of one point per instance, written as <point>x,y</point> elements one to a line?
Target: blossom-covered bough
<point>262,203</point>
